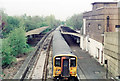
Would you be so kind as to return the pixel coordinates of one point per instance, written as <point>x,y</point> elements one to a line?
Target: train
<point>64,61</point>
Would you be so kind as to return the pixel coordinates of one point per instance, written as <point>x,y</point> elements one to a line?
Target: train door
<point>65,67</point>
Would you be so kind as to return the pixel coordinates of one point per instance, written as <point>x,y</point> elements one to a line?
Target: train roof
<point>59,44</point>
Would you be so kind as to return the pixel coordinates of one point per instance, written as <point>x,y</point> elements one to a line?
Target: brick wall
<point>98,17</point>
<point>97,5</point>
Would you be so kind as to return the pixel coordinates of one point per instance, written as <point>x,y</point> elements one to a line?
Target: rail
<point>46,62</point>
<point>20,75</point>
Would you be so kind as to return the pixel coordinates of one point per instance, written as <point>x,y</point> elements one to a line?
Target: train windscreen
<point>57,62</point>
<point>72,62</point>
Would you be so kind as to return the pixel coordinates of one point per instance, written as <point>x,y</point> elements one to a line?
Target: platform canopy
<point>36,31</point>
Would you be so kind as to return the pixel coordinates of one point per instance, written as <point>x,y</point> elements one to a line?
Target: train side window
<point>58,62</point>
<point>72,63</point>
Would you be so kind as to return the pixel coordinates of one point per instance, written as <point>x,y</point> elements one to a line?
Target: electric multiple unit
<point>64,62</point>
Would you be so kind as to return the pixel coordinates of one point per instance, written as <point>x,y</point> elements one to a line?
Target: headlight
<point>57,72</point>
<point>72,72</point>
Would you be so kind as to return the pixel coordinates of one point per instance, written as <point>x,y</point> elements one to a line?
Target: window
<point>98,53</point>
<point>99,26</point>
<point>72,62</point>
<point>58,62</point>
<point>88,24</point>
<point>101,56</point>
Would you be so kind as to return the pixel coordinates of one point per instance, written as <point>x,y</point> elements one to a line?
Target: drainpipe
<point>108,18</point>
<point>106,62</point>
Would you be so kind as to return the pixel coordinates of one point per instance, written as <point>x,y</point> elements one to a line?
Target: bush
<point>10,24</point>
<point>13,45</point>
<point>17,41</point>
<point>7,57</point>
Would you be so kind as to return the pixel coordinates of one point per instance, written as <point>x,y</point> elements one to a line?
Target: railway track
<point>27,69</point>
<point>41,68</point>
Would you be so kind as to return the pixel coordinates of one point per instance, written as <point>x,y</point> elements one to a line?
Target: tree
<point>3,19</point>
<point>15,27</point>
<point>11,24</point>
<point>17,41</point>
<point>34,22</point>
<point>7,57</point>
<point>52,22</point>
<point>3,15</point>
<point>75,21</point>
<point>29,25</point>
<point>14,45</point>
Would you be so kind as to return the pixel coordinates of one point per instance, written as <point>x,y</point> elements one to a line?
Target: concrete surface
<point>38,71</point>
<point>88,67</point>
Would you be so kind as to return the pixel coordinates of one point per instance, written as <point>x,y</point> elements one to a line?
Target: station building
<point>100,37</point>
<point>102,18</point>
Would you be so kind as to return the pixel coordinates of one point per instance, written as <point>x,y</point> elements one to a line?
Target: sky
<point>62,9</point>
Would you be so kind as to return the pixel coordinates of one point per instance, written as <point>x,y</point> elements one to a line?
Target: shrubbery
<point>11,24</point>
<point>13,45</point>
<point>7,57</point>
<point>14,29</point>
<point>17,41</point>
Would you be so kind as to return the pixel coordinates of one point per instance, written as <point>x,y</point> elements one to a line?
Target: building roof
<point>104,3</point>
<point>36,31</point>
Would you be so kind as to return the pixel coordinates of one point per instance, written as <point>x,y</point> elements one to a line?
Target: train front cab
<point>64,66</point>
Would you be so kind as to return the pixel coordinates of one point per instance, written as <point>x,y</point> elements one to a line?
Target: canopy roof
<point>36,31</point>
